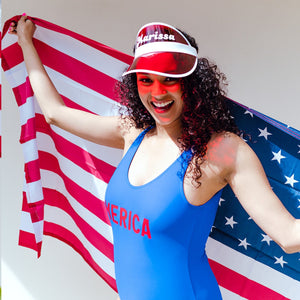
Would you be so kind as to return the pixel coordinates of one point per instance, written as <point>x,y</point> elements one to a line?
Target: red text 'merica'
<point>128,220</point>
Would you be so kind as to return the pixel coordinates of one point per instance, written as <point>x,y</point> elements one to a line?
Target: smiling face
<point>162,97</point>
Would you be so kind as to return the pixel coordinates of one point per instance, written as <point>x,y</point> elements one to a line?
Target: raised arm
<point>250,184</point>
<point>102,130</point>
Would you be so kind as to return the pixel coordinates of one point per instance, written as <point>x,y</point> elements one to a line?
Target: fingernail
<point>24,14</point>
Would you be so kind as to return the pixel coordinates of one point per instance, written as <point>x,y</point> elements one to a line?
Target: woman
<point>180,150</point>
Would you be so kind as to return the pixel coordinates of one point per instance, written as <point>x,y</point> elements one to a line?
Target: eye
<point>171,80</point>
<point>145,80</point>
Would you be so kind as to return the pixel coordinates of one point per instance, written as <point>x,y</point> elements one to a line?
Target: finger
<point>12,27</point>
<point>23,17</point>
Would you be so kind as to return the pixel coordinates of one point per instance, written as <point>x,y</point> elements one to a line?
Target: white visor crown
<point>162,49</point>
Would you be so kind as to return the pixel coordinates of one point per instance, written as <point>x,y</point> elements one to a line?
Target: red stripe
<point>68,237</point>
<point>103,48</point>
<point>56,199</point>
<point>72,104</point>
<point>28,131</point>
<point>32,171</point>
<point>85,198</point>
<point>14,55</point>
<point>76,70</point>
<point>63,64</point>
<point>35,209</point>
<point>85,160</point>
<point>22,92</point>
<point>27,239</point>
<point>74,153</point>
<point>242,285</point>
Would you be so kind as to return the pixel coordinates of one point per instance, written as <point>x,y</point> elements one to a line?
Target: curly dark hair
<point>204,113</point>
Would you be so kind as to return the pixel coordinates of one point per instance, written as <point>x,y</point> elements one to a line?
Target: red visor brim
<point>165,63</point>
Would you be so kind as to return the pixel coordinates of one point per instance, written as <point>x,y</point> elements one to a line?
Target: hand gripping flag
<point>66,176</point>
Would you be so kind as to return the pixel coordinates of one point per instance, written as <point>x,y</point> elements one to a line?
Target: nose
<point>158,89</point>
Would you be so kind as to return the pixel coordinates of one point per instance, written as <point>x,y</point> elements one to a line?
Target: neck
<point>172,131</point>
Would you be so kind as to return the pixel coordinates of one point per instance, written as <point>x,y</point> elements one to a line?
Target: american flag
<point>66,176</point>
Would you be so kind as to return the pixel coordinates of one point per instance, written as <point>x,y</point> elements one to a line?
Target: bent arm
<point>102,130</point>
<point>251,186</point>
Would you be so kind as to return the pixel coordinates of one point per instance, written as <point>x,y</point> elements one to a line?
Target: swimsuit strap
<point>134,146</point>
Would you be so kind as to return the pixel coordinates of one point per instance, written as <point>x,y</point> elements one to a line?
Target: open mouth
<point>162,106</point>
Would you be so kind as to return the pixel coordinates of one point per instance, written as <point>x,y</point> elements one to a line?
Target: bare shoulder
<point>226,150</point>
<point>129,132</point>
<point>223,147</point>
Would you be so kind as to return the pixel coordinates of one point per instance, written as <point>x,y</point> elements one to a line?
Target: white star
<point>277,156</point>
<point>299,148</point>
<point>221,200</point>
<point>279,260</point>
<point>249,113</point>
<point>212,227</point>
<point>299,203</point>
<point>266,239</point>
<point>230,221</point>
<point>244,243</point>
<point>290,180</point>
<point>264,133</point>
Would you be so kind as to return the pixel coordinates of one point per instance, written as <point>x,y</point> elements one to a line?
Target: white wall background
<point>256,43</point>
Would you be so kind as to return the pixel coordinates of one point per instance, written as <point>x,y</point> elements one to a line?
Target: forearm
<point>45,92</point>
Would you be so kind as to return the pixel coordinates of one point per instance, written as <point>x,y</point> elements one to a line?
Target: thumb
<point>23,17</point>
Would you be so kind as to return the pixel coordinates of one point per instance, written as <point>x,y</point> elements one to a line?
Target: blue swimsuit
<point>159,237</point>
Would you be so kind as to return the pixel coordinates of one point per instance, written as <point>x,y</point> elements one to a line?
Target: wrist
<point>25,42</point>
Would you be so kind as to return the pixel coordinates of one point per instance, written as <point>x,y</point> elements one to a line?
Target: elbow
<point>52,116</point>
<point>290,245</point>
<point>290,249</point>
<point>290,241</point>
<point>50,120</point>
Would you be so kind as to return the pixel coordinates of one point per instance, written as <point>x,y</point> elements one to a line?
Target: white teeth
<point>162,104</point>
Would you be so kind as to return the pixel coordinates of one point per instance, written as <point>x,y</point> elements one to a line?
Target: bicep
<point>251,186</point>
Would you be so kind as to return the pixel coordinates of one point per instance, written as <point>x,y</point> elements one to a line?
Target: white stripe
<point>76,49</point>
<point>38,230</point>
<point>30,150</point>
<point>34,191</point>
<point>82,95</point>
<point>228,295</point>
<point>81,177</point>
<point>53,181</point>
<point>82,52</point>
<point>165,47</point>
<point>16,75</point>
<point>26,223</point>
<point>58,216</point>
<point>109,155</point>
<point>26,110</point>
<point>252,269</point>
<point>8,40</point>
<point>87,98</point>
<point>34,228</point>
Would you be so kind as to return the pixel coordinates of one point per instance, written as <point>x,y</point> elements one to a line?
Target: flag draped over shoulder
<point>66,176</point>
